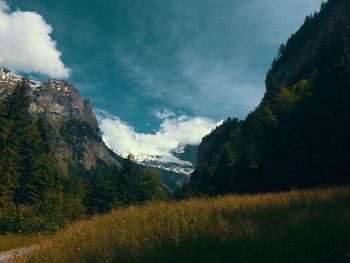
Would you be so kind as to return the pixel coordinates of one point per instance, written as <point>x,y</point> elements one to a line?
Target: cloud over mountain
<point>174,130</point>
<point>26,44</point>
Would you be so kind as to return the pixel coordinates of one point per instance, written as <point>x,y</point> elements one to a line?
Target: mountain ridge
<point>76,139</point>
<point>298,134</point>
<point>181,159</point>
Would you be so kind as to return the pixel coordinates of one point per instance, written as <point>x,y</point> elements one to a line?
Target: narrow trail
<point>9,255</point>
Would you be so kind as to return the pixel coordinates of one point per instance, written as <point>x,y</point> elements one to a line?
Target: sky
<point>155,66</point>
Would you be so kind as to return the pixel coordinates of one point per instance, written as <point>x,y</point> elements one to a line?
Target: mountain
<point>187,153</point>
<point>76,138</point>
<point>175,167</point>
<point>298,136</point>
<point>180,160</point>
<point>54,166</point>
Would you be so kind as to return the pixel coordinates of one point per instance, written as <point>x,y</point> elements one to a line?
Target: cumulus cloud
<point>173,130</point>
<point>26,44</point>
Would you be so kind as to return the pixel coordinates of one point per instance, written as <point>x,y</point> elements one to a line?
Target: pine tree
<point>9,158</point>
<point>32,196</point>
<point>14,116</point>
<point>38,169</point>
<point>101,193</point>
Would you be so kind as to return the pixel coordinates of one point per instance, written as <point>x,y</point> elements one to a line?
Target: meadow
<point>296,226</point>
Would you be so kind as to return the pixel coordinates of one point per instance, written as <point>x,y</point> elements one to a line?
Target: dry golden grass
<point>296,226</point>
<point>11,241</point>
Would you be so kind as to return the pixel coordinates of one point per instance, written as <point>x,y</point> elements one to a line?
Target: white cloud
<point>174,130</point>
<point>26,44</point>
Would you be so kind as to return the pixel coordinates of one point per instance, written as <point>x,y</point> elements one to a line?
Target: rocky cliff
<point>76,139</point>
<point>300,54</point>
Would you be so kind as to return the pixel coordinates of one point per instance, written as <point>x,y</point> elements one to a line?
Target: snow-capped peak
<point>174,161</point>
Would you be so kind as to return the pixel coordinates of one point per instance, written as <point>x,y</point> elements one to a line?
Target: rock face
<point>77,141</point>
<point>293,66</point>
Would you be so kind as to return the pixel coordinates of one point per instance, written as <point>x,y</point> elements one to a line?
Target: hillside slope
<point>76,138</point>
<point>298,226</point>
<point>298,135</point>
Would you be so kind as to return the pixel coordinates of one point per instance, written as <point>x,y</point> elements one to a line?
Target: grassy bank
<point>297,226</point>
<point>8,242</point>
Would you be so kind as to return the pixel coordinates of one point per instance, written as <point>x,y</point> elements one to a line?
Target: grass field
<point>297,226</point>
<point>10,241</point>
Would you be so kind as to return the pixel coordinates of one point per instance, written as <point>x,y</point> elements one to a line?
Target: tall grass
<point>296,226</point>
<point>11,241</point>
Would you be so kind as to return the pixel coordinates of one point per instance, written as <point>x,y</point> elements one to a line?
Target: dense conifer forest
<point>297,137</point>
<point>299,134</point>
<point>35,196</point>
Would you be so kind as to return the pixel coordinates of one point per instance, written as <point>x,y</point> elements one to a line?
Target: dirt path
<point>8,256</point>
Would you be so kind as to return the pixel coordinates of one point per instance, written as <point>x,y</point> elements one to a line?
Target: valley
<point>78,184</point>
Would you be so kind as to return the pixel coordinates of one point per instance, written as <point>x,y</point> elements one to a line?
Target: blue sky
<point>201,57</point>
<point>195,58</point>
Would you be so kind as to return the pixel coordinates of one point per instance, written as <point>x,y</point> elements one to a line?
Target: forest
<point>298,136</point>
<point>34,194</point>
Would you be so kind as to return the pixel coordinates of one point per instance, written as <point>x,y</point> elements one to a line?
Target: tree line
<point>299,134</point>
<point>36,197</point>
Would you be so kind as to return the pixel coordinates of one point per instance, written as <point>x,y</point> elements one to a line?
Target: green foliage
<point>171,179</point>
<point>299,134</point>
<point>32,197</point>
<point>127,185</point>
<point>151,186</point>
<point>183,191</point>
<point>99,198</point>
